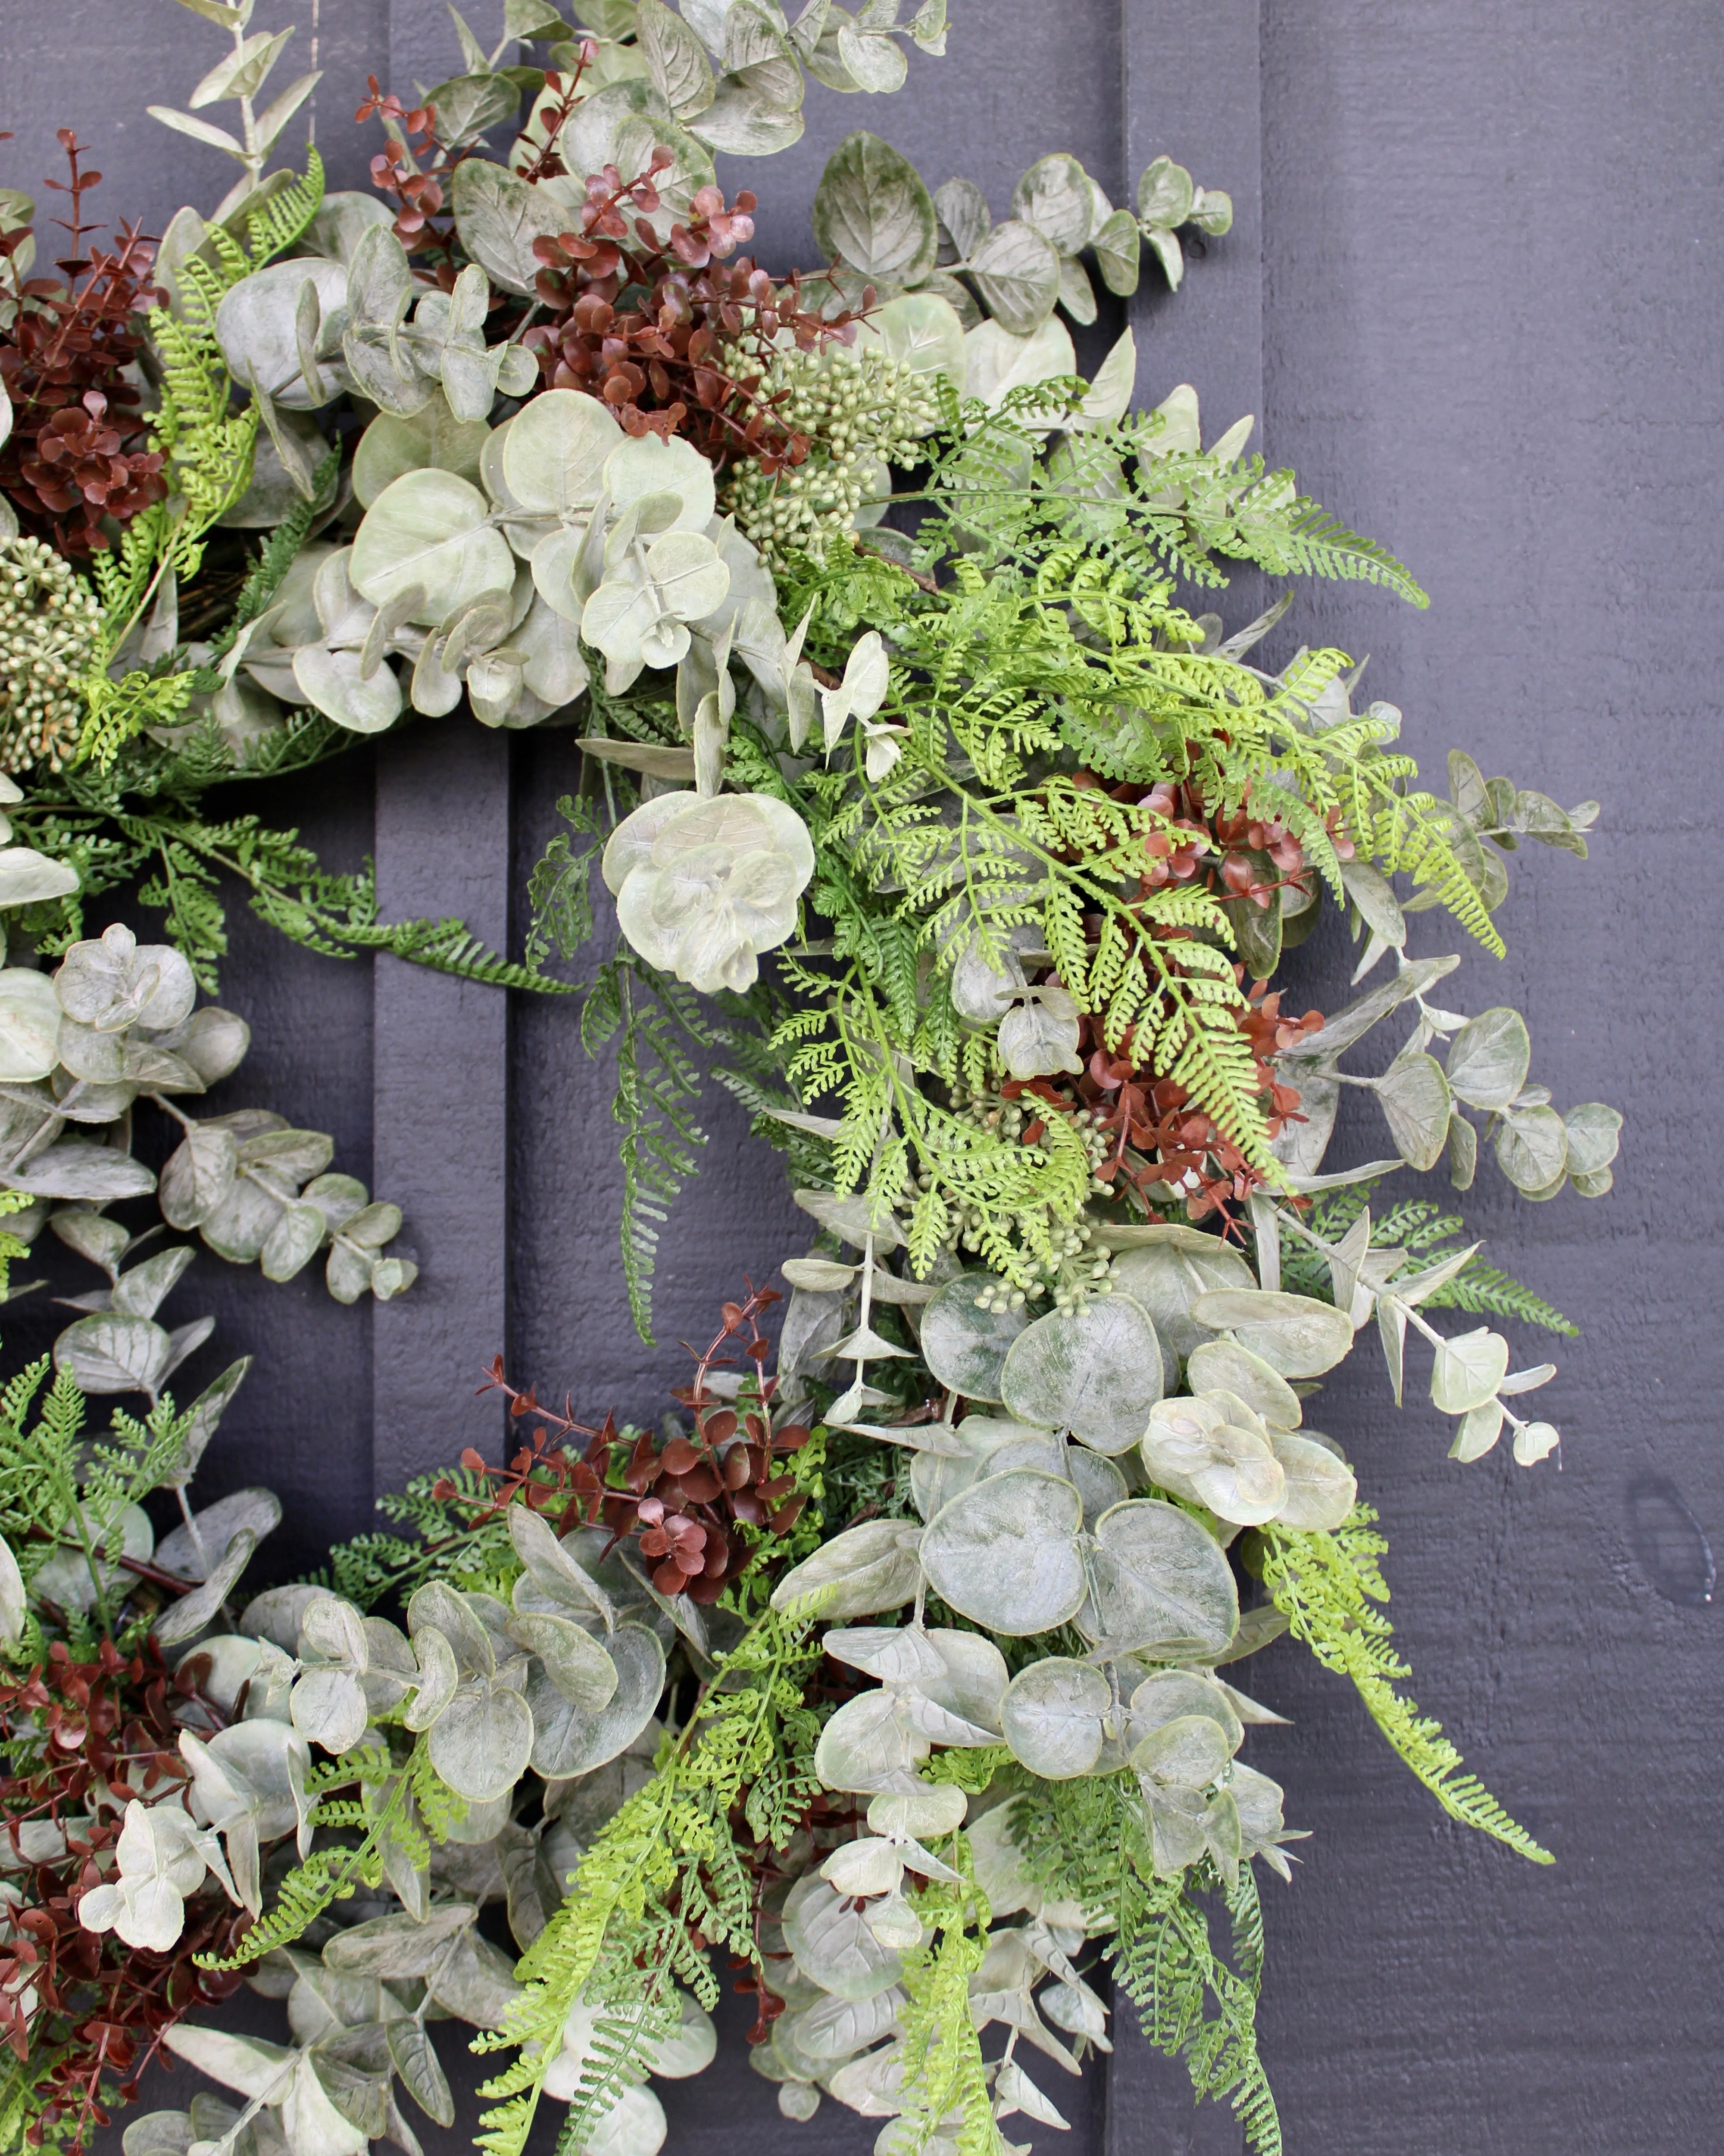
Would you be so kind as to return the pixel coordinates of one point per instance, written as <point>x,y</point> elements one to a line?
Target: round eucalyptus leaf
<point>866,1568</point>
<point>1593,1137</point>
<point>1119,253</point>
<point>29,1025</point>
<point>832,1945</point>
<point>1489,1059</point>
<point>1479,1431</point>
<point>1165,1280</point>
<point>110,1353</point>
<point>1017,273</point>
<point>1165,194</point>
<point>1052,1717</point>
<point>1099,1482</point>
<point>499,216</point>
<point>895,1653</point>
<point>1207,1448</point>
<point>1467,1370</point>
<point>864,1867</point>
<point>333,682</point>
<point>555,450</point>
<point>869,1745</point>
<point>1373,894</point>
<point>1295,1334</point>
<point>1533,1148</point>
<point>1222,1366</point>
<point>1321,1490</point>
<point>1005,1552</point>
<point>1185,1753</point>
<point>433,439</point>
<point>833,2029</point>
<point>965,1347</point>
<point>973,1683</point>
<point>567,1740</point>
<point>645,464</point>
<point>872,211</point>
<point>1161,1582</point>
<point>73,1168</point>
<point>255,328</point>
<point>1416,1103</point>
<point>574,1661</point>
<point>1169,1694</point>
<point>744,121</point>
<point>1094,1370</point>
<point>1053,196</point>
<point>428,528</point>
<point>688,574</point>
<point>482,1742</point>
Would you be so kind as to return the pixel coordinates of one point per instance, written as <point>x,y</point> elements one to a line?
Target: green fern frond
<point>1327,1586</point>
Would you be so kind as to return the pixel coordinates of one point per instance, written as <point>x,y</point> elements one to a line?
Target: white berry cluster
<point>857,409</point>
<point>50,623</point>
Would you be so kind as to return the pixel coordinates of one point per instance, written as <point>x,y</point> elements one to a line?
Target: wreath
<point>899,1666</point>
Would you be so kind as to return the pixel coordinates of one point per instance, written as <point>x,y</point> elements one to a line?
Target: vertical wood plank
<point>441,1093</point>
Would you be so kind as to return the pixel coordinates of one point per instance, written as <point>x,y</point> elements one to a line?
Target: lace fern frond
<point>1328,1587</point>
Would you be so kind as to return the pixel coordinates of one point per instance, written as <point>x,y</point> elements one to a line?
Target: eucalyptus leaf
<point>872,211</point>
<point>1161,1582</point>
<point>1017,273</point>
<point>1467,1370</point>
<point>1295,1334</point>
<point>568,1739</point>
<point>1095,1370</point>
<point>1489,1059</point>
<point>1052,1717</point>
<point>1414,1098</point>
<point>964,1344</point>
<point>1005,1552</point>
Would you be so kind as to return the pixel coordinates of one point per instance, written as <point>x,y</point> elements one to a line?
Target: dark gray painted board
<point>1470,293</point>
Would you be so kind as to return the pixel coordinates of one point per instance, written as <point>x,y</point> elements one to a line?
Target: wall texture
<point>1471,294</point>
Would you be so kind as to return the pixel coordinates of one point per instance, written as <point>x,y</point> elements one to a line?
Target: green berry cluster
<point>858,410</point>
<point>50,637</point>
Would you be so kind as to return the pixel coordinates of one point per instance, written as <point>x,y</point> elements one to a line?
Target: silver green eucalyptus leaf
<point>1017,273</point>
<point>861,1571</point>
<point>1592,1130</point>
<point>573,1659</point>
<point>1160,1583</point>
<point>482,1742</point>
<point>29,1025</point>
<point>1118,253</point>
<point>428,528</point>
<point>1095,1370</point>
<point>1211,1448</point>
<point>553,452</point>
<point>1053,196</point>
<point>1222,1366</point>
<point>1467,1370</point>
<point>1054,1716</point>
<point>1168,1695</point>
<point>431,439</point>
<point>872,211</point>
<point>1166,1275</point>
<point>1321,1490</point>
<point>568,1740</point>
<point>498,217</point>
<point>256,329</point>
<point>997,362</point>
<point>1295,1334</point>
<point>1489,1059</point>
<point>1416,1103</point>
<point>967,1331</point>
<point>832,1944</point>
<point>1533,1150</point>
<point>871,1744</point>
<point>1006,1552</point>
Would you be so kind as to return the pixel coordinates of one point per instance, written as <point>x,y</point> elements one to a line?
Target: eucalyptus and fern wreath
<point>927,802</point>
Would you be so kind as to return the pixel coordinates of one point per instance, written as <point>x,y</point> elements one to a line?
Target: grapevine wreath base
<point>898,1676</point>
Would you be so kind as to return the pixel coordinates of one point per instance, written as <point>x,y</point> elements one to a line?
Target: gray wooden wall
<point>1471,293</point>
